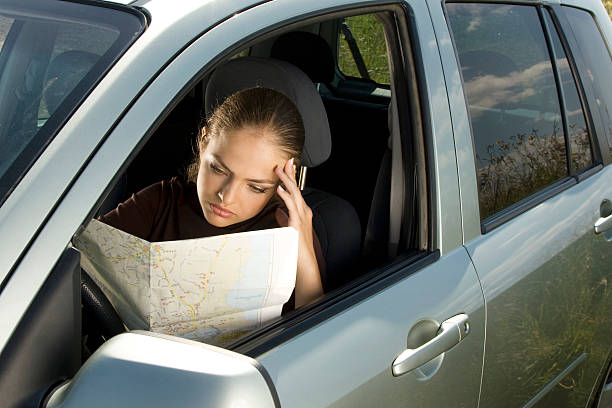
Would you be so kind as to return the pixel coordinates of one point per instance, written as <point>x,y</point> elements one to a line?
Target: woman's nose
<point>227,192</point>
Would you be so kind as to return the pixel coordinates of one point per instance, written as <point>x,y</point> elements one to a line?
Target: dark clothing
<point>170,210</point>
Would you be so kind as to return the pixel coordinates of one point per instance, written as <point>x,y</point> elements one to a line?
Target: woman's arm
<point>308,280</point>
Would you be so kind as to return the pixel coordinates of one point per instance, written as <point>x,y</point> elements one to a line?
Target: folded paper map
<point>212,289</point>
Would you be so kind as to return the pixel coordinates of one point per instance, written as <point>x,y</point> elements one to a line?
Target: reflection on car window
<point>5,26</point>
<point>598,60</point>
<point>362,51</point>
<point>578,135</point>
<point>513,101</point>
<point>76,49</point>
<point>51,56</point>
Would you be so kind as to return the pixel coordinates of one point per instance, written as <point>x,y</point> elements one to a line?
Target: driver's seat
<point>335,221</point>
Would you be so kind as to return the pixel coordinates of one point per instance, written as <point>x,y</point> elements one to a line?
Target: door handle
<point>451,332</point>
<point>603,224</point>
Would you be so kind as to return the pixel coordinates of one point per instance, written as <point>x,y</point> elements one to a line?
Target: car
<point>465,209</point>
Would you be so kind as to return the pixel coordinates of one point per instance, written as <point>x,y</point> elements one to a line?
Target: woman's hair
<point>255,107</point>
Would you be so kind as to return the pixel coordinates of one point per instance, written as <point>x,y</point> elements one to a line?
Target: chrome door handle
<point>451,332</point>
<point>603,224</point>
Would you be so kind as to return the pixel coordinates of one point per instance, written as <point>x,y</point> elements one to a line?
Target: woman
<point>243,173</point>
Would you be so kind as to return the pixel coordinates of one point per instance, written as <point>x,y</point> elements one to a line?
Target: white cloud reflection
<point>489,91</point>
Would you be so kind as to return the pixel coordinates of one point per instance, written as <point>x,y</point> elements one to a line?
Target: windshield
<point>52,53</point>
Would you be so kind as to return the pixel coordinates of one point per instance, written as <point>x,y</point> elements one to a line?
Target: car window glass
<point>598,61</point>
<point>362,52</point>
<point>76,49</point>
<point>52,54</point>
<point>578,135</point>
<point>513,101</point>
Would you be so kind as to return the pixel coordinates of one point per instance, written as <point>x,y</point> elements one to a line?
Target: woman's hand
<point>308,280</point>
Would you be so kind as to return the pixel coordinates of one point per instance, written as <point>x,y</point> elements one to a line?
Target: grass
<point>370,39</point>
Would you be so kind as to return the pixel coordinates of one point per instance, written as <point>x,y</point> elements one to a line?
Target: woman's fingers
<point>287,198</point>
<point>299,212</point>
<point>287,185</point>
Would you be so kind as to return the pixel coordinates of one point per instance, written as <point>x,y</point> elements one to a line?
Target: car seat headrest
<point>250,72</point>
<point>65,71</point>
<point>307,51</point>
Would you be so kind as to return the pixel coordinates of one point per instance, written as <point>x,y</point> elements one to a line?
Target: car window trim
<point>562,34</point>
<point>560,91</point>
<point>585,90</point>
<point>527,203</point>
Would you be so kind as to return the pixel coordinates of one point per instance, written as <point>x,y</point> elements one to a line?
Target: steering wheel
<point>100,320</point>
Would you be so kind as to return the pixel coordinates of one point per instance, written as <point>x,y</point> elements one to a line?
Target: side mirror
<point>147,369</point>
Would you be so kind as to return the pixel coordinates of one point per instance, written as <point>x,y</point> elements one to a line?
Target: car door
<point>543,266</point>
<point>342,352</point>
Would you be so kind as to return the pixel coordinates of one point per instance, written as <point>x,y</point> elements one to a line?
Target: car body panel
<point>346,360</point>
<point>548,306</point>
<point>350,355</point>
<point>544,275</point>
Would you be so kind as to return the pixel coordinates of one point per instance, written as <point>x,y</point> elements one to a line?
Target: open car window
<point>351,217</point>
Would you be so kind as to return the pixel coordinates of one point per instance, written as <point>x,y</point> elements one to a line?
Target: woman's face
<point>236,177</point>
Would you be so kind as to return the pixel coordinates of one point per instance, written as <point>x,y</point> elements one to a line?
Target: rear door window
<point>513,101</point>
<point>52,54</point>
<point>529,126</point>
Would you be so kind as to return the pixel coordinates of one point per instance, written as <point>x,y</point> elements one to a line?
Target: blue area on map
<point>250,291</point>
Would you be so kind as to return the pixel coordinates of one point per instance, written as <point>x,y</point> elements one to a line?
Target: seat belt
<point>397,193</point>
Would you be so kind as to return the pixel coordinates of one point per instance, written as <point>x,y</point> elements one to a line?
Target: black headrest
<point>65,71</point>
<point>250,72</point>
<point>308,52</point>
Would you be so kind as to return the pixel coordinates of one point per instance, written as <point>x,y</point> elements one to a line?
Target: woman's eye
<point>258,190</point>
<point>216,169</point>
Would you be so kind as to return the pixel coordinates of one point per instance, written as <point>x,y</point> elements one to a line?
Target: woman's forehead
<point>247,152</point>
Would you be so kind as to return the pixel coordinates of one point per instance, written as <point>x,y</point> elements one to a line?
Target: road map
<point>213,289</point>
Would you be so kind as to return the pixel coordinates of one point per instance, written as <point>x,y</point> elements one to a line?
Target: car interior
<point>347,176</point>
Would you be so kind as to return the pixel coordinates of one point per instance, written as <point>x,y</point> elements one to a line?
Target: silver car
<point>465,210</point>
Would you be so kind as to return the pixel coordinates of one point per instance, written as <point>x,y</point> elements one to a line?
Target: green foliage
<point>519,166</point>
<point>608,5</point>
<point>370,39</point>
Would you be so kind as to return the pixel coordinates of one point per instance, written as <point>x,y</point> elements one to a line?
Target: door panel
<point>545,277</point>
<point>346,360</point>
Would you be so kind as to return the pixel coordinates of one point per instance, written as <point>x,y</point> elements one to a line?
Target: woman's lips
<point>220,211</point>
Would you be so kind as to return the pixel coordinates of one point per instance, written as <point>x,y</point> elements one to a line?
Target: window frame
<point>589,94</point>
<point>408,261</point>
<point>381,93</point>
<point>515,209</point>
